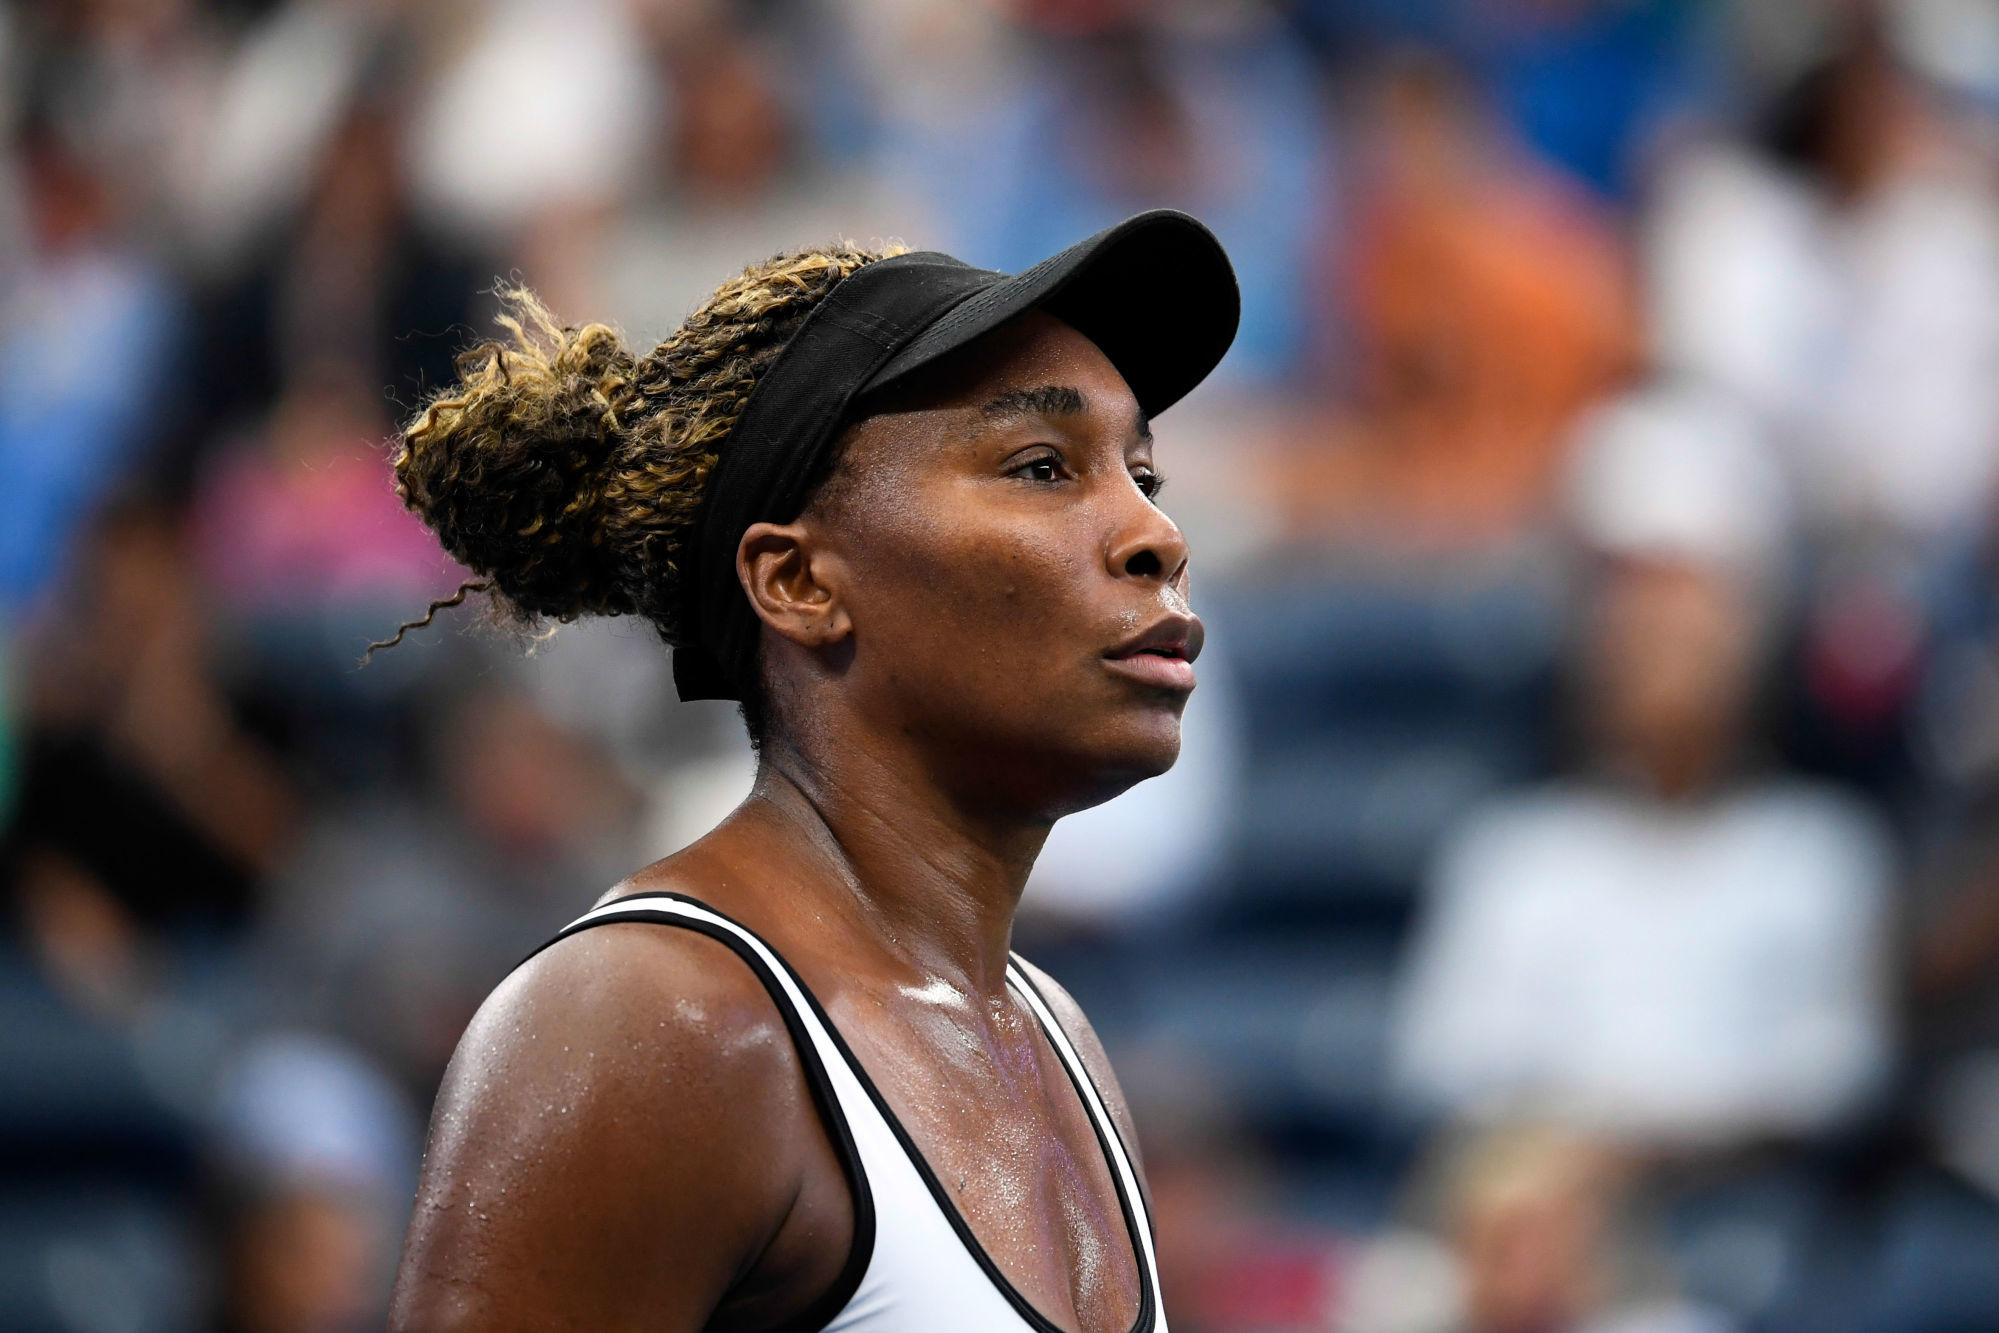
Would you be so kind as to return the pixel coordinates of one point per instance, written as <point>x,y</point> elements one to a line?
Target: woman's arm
<point>624,1140</point>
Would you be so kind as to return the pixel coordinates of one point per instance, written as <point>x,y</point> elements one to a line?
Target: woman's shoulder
<point>631,1085</point>
<point>643,977</point>
<point>622,1010</point>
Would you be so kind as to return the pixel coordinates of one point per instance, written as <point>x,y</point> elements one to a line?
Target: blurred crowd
<point>1577,907</point>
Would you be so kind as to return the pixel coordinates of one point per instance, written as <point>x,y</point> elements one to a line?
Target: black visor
<point>1155,293</point>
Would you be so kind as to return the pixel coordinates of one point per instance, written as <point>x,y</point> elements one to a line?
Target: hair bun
<point>569,474</point>
<point>509,466</point>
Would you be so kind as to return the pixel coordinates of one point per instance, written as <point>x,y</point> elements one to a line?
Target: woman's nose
<point>1149,547</point>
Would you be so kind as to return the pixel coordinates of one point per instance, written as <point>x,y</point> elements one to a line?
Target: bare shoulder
<point>624,1009</point>
<point>629,1094</point>
<point>1077,1025</point>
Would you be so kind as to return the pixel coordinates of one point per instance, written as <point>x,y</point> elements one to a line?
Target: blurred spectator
<point>145,807</point>
<point>1589,86</point>
<point>126,84</point>
<point>86,349</point>
<point>1670,946</point>
<point>1535,1239</point>
<point>1117,108</point>
<point>353,285</point>
<point>307,516</point>
<point>732,130</point>
<point>742,171</point>
<point>402,910</point>
<point>583,110</point>
<point>1953,981</point>
<point>1490,304</point>
<point>1239,1261</point>
<point>277,98</point>
<point>310,557</point>
<point>1592,85</point>
<point>1842,275</point>
<point>316,1156</point>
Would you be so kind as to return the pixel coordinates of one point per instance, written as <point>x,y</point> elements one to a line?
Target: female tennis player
<point>792,1077</point>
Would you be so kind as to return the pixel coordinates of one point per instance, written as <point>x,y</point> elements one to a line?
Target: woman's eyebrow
<point>1049,400</point>
<point>1052,400</point>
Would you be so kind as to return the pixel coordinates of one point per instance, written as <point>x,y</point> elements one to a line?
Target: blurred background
<point>1577,907</point>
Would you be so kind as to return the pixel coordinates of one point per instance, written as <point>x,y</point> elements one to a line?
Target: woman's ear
<point>794,583</point>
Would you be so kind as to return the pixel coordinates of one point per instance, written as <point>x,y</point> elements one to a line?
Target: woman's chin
<point>1127,760</point>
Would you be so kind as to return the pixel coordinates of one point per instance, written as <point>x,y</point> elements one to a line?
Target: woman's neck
<point>938,884</point>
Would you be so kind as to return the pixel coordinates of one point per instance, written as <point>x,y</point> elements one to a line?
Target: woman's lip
<point>1166,673</point>
<point>1179,635</point>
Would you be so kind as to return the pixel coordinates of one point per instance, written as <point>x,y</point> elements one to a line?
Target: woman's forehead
<point>1034,363</point>
<point>1034,368</point>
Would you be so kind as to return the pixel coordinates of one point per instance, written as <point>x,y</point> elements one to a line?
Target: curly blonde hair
<point>566,472</point>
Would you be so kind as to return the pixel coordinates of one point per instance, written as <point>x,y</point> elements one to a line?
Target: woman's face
<point>1018,602</point>
<point>1669,670</point>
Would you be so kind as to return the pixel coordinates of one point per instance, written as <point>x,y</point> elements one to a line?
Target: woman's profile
<point>792,1077</point>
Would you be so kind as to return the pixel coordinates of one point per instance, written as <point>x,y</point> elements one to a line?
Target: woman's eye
<point>1149,484</point>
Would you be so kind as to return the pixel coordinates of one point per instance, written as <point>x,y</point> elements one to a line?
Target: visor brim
<point>1155,293</point>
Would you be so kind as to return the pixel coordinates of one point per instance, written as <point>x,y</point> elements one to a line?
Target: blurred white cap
<point>1679,472</point>
<point>1955,42</point>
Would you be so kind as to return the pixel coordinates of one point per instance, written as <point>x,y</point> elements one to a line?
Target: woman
<point>902,510</point>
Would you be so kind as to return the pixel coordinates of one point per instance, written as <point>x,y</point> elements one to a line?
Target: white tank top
<point>915,1266</point>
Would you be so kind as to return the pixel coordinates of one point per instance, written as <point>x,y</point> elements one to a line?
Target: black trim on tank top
<point>860,1254</point>
<point>1079,1073</point>
<point>1148,1315</point>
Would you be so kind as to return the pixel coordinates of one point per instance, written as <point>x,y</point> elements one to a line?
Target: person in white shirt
<point>1666,948</point>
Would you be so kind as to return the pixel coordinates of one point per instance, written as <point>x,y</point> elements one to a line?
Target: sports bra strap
<point>835,1075</point>
<point>1112,1141</point>
<point>812,1036</point>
